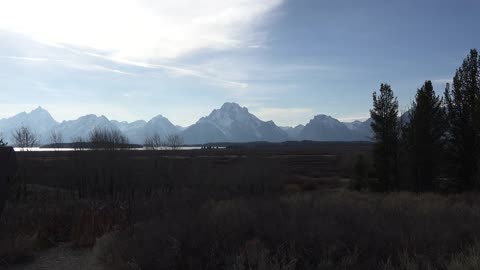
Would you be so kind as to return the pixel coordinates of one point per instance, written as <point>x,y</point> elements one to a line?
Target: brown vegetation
<point>231,209</point>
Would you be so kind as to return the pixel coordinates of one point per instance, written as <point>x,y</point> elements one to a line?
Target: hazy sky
<point>286,60</point>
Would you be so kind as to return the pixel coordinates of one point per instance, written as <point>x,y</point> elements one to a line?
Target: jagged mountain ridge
<point>232,123</point>
<point>326,128</point>
<point>42,124</point>
<point>229,123</point>
<point>293,132</point>
<point>39,120</point>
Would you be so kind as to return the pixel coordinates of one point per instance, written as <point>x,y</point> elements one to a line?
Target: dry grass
<point>188,229</point>
<point>237,212</point>
<point>343,230</point>
<point>42,220</point>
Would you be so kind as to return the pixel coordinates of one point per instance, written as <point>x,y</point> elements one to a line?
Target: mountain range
<point>230,123</point>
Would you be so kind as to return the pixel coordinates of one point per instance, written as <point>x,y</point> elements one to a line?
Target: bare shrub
<point>467,260</point>
<point>25,138</point>
<point>231,212</point>
<point>154,142</point>
<point>107,139</point>
<point>56,139</point>
<point>345,230</point>
<point>174,141</point>
<point>78,143</point>
<point>360,173</point>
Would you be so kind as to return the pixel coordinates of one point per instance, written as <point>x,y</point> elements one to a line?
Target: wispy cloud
<point>173,70</point>
<point>143,29</point>
<point>136,94</point>
<point>255,71</point>
<point>31,59</point>
<point>95,67</point>
<point>442,81</point>
<point>67,63</point>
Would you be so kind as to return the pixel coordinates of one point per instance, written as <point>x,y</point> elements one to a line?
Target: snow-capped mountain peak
<point>38,120</point>
<point>233,123</point>
<point>326,128</point>
<point>229,114</point>
<point>229,123</point>
<point>326,120</point>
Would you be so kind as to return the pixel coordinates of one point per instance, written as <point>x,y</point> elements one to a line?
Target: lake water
<point>38,149</point>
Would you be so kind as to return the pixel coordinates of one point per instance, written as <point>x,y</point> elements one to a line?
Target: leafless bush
<point>78,143</point>
<point>153,142</point>
<point>345,230</point>
<point>469,259</point>
<point>25,138</point>
<point>107,139</point>
<point>56,139</point>
<point>37,219</point>
<point>174,141</point>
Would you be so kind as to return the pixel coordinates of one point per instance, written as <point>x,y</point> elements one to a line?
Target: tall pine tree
<point>386,135</point>
<point>463,106</point>
<point>424,137</point>
<point>2,141</point>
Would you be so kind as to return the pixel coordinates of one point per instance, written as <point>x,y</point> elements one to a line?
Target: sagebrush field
<point>267,208</point>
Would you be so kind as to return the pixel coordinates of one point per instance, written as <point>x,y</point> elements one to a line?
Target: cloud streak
<point>70,64</point>
<point>173,70</point>
<point>139,30</point>
<point>31,59</point>
<point>442,81</point>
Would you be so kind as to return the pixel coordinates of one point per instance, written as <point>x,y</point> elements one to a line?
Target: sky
<point>286,60</point>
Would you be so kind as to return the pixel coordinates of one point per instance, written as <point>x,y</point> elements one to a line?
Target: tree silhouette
<point>463,107</point>
<point>56,139</point>
<point>154,142</point>
<point>174,141</point>
<point>424,137</point>
<point>386,134</point>
<point>25,138</point>
<point>107,139</point>
<point>2,140</point>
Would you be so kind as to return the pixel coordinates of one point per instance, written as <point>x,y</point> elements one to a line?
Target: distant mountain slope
<point>83,126</point>
<point>134,130</point>
<point>232,123</point>
<point>137,131</point>
<point>353,125</point>
<point>42,124</point>
<point>39,120</point>
<point>293,132</point>
<point>326,128</point>
<point>363,128</point>
<point>203,132</point>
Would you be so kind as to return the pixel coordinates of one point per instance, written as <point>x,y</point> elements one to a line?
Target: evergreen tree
<point>463,103</point>
<point>2,141</point>
<point>385,127</point>
<point>360,173</point>
<point>424,137</point>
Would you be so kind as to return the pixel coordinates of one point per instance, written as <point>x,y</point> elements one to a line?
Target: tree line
<point>99,138</point>
<point>436,144</point>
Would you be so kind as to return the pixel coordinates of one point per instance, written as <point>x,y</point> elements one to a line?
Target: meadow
<point>272,207</point>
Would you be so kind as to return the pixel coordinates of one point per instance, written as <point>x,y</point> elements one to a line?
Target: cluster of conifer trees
<point>436,144</point>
